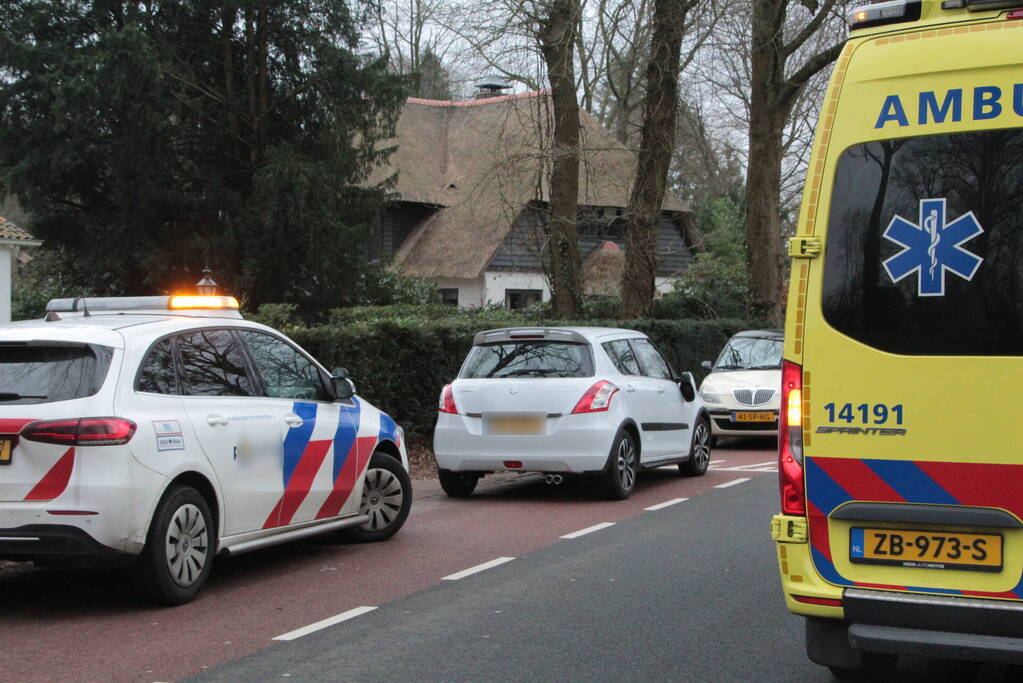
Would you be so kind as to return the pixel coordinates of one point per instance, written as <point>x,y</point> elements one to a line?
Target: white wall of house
<point>497,282</point>
<point>662,284</point>
<point>5,283</point>
<point>470,291</point>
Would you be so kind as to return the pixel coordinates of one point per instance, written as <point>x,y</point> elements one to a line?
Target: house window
<point>449,296</point>
<point>516,299</point>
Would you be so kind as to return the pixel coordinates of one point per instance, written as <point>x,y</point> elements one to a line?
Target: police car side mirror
<point>687,385</point>
<point>344,388</point>
<point>707,365</point>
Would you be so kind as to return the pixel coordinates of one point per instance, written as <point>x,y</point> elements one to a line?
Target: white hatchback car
<point>157,432</point>
<point>742,389</point>
<point>582,400</point>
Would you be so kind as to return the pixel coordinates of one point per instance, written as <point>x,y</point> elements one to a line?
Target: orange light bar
<point>186,302</point>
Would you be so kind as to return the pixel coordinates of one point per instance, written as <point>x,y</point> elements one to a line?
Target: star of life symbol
<point>932,247</point>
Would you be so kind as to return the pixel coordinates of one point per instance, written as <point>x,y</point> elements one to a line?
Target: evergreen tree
<point>147,140</point>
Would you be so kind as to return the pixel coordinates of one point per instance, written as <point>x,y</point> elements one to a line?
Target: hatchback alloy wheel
<point>627,464</point>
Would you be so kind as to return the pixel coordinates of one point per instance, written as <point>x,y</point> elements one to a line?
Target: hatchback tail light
<point>86,431</point>
<point>790,441</point>
<point>596,399</point>
<point>447,400</point>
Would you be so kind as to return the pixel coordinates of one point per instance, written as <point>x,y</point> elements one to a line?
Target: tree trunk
<point>656,145</point>
<point>557,40</point>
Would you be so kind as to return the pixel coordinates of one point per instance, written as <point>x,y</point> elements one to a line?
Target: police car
<point>159,432</point>
<point>901,525</point>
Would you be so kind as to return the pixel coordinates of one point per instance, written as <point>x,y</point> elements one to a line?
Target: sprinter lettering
<point>988,102</point>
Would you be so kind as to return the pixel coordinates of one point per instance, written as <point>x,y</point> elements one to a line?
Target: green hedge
<point>401,365</point>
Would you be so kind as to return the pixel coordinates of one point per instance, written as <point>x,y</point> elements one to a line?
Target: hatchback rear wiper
<point>7,396</point>
<point>528,371</point>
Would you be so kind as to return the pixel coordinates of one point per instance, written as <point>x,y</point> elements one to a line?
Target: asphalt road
<point>686,591</point>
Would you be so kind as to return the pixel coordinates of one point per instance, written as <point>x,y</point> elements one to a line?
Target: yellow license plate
<point>926,549</point>
<point>6,446</point>
<point>514,424</point>
<point>753,417</point>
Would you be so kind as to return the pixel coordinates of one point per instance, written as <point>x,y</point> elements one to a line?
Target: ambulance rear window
<point>924,252</point>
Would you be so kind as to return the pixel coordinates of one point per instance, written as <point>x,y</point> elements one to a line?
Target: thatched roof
<point>603,269</point>
<point>483,161</point>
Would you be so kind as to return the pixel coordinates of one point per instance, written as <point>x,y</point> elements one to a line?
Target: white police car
<point>158,432</point>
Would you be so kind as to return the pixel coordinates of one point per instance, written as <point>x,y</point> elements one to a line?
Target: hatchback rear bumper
<point>573,443</point>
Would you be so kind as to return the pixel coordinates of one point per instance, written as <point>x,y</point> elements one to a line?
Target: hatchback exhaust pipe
<point>553,479</point>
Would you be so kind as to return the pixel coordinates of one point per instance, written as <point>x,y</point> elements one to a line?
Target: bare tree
<point>774,89</point>
<point>657,145</point>
<point>558,28</point>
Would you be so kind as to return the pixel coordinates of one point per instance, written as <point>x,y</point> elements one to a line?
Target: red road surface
<point>90,626</point>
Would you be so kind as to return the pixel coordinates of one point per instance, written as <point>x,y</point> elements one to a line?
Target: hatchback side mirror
<point>707,365</point>
<point>688,386</point>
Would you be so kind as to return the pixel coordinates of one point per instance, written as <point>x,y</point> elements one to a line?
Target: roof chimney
<point>491,86</point>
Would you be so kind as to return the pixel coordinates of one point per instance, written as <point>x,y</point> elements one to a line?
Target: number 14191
<point>867,413</point>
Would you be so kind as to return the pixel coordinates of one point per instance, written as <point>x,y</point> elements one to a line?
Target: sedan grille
<point>753,397</point>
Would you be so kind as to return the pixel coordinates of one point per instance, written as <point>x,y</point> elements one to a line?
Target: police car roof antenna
<point>85,306</point>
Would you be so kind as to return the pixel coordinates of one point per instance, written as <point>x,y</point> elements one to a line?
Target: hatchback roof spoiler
<point>521,333</point>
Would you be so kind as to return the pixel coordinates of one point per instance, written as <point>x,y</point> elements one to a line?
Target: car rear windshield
<point>47,374</point>
<point>925,242</point>
<point>529,359</point>
<point>750,353</point>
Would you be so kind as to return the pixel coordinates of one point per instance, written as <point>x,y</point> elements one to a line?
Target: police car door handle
<point>216,420</point>
<point>293,420</point>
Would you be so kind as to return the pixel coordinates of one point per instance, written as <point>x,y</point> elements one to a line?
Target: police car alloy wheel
<point>386,498</point>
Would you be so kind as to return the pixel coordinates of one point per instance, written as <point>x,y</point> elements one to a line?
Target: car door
<point>319,433</point>
<point>641,393</point>
<point>669,416</point>
<point>234,425</point>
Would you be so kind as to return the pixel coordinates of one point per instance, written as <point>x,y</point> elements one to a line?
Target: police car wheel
<point>699,451</point>
<point>386,498</point>
<point>458,484</point>
<point>620,479</point>
<point>179,548</point>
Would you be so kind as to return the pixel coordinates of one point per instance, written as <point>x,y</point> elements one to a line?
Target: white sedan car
<point>158,432</point>
<point>581,400</point>
<point>742,391</point>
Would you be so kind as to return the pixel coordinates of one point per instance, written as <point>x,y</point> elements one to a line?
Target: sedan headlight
<point>710,396</point>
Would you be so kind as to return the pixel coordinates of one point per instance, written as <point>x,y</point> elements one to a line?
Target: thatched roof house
<point>472,178</point>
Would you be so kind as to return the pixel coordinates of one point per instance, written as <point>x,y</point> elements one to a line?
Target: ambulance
<point>901,427</point>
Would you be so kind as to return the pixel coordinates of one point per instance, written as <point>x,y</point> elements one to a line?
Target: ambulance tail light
<point>881,13</point>
<point>86,431</point>
<point>447,400</point>
<point>790,441</point>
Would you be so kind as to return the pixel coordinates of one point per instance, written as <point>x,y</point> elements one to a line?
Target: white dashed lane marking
<point>731,483</point>
<point>666,503</point>
<point>589,530</point>
<point>329,621</point>
<point>478,568</point>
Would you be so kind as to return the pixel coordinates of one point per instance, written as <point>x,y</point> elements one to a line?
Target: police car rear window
<point>31,374</point>
<point>924,252</point>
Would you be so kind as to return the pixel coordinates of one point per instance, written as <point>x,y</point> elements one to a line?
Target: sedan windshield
<point>529,359</point>
<point>750,353</point>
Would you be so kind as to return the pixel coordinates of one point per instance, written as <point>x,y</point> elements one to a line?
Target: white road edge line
<point>589,530</point>
<point>329,621</point>
<point>716,462</point>
<point>731,483</point>
<point>478,568</point>
<point>665,504</point>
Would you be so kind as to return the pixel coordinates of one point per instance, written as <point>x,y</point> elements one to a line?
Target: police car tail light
<point>447,401</point>
<point>188,302</point>
<point>596,399</point>
<point>790,441</point>
<point>86,431</point>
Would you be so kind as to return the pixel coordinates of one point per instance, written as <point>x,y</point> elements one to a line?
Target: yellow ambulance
<point>901,430</point>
